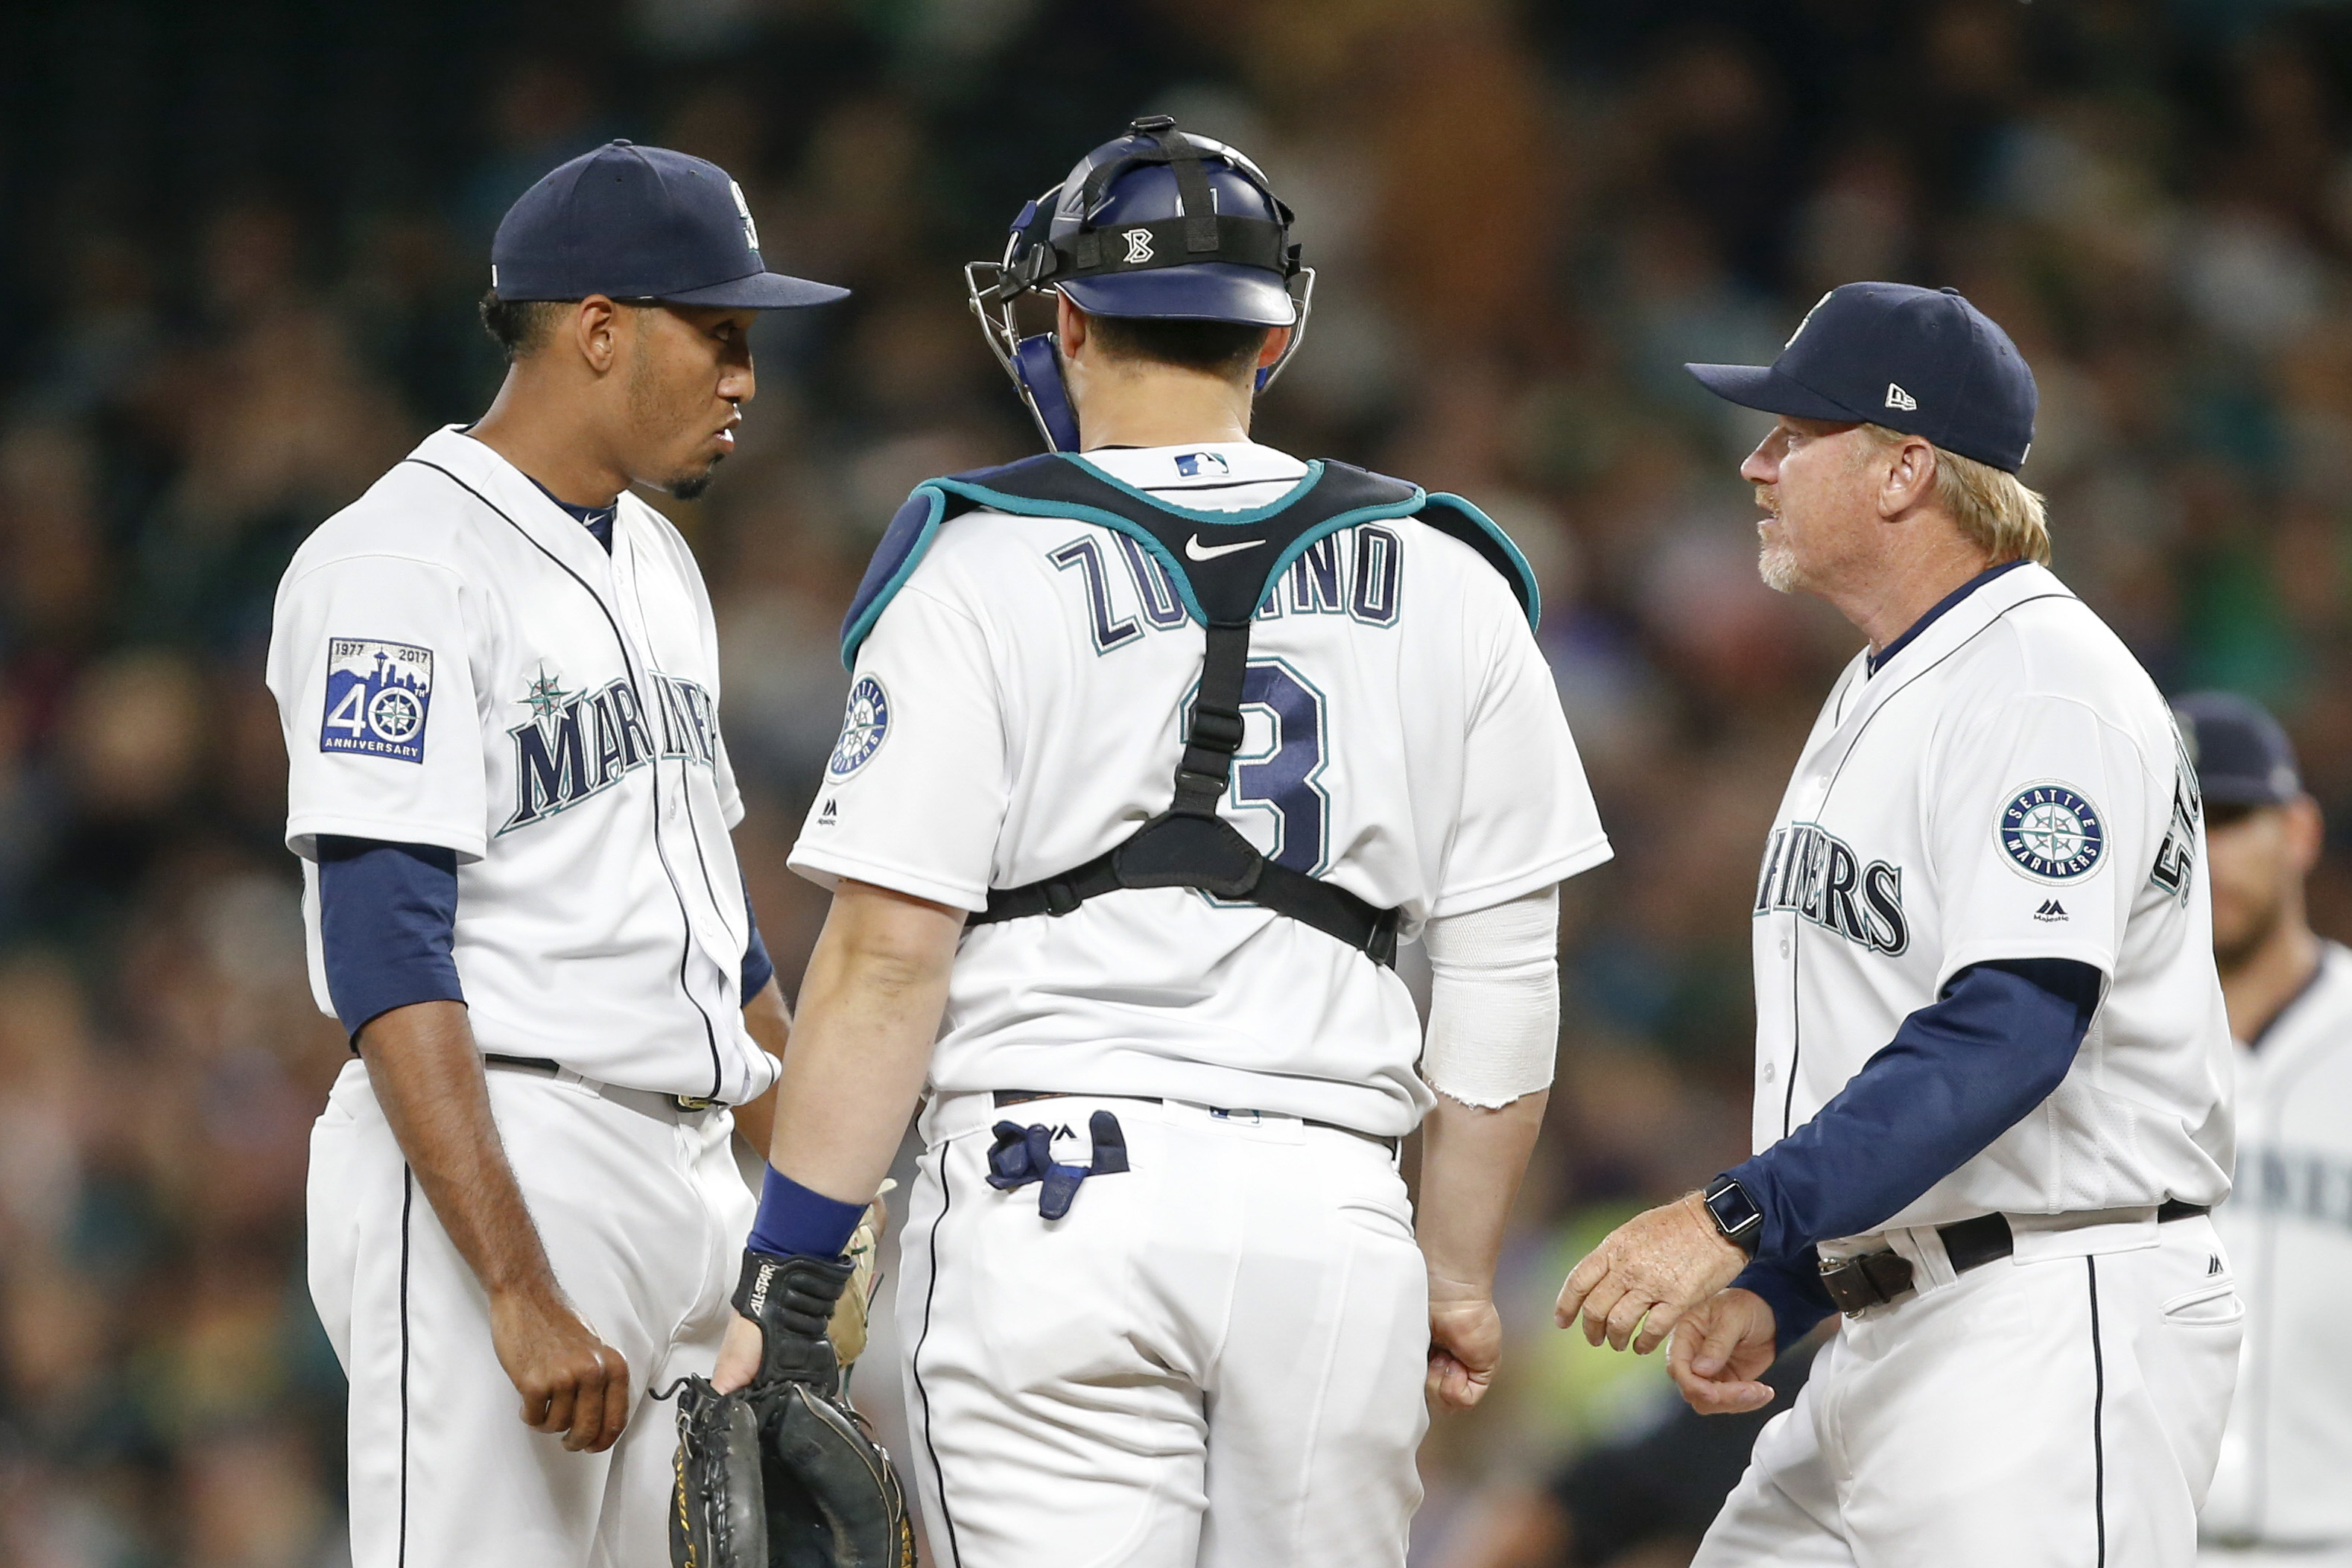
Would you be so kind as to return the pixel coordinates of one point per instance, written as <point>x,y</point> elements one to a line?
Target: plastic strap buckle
<point>1219,729</point>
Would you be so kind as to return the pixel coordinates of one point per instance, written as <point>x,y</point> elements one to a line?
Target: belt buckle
<point>694,1101</point>
<point>1867,1280</point>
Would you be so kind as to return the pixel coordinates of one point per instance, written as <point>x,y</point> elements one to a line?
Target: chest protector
<point>1224,566</point>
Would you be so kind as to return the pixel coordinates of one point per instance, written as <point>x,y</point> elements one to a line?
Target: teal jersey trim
<point>862,626</point>
<point>936,492</point>
<point>1494,530</point>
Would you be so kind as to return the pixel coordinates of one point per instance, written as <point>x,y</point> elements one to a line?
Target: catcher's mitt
<point>783,1473</point>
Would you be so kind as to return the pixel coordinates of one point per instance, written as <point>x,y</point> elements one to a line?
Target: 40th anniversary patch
<point>862,728</point>
<point>2053,832</point>
<point>378,697</point>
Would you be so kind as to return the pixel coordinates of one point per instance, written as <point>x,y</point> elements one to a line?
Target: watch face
<point>1734,1212</point>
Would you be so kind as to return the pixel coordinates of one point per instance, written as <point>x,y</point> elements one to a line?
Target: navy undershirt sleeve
<point>1957,1074</point>
<point>758,968</point>
<point>387,921</point>
<point>1793,1288</point>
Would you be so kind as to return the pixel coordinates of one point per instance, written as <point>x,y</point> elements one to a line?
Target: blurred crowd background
<point>245,242</point>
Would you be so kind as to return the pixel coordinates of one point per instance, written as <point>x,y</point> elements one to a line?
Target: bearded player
<point>2279,1495</point>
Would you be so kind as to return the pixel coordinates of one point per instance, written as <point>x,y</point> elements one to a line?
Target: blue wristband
<point>793,1220</point>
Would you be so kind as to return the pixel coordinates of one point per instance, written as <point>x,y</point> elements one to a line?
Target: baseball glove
<point>783,1473</point>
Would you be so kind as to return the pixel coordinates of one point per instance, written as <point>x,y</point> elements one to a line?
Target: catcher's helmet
<point>1160,223</point>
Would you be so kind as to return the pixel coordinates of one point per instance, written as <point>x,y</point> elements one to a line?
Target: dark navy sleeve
<point>1793,1288</point>
<point>387,920</point>
<point>758,968</point>
<point>1957,1074</point>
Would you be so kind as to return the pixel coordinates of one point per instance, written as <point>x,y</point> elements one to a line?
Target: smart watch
<point>1736,1214</point>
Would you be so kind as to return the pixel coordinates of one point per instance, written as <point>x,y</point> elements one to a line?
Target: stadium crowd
<point>246,265</point>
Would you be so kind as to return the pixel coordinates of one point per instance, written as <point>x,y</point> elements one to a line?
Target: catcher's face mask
<point>1160,223</point>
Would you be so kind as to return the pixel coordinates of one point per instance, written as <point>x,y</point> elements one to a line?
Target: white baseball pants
<point>1213,1360</point>
<point>643,1213</point>
<point>2062,1407</point>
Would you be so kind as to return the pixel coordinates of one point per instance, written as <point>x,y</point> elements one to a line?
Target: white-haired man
<point>1993,1074</point>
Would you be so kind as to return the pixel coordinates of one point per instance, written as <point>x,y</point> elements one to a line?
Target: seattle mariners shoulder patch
<point>862,728</point>
<point>2053,832</point>
<point>378,696</point>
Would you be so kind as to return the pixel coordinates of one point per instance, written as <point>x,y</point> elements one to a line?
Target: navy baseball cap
<point>641,223</point>
<point>1921,360</point>
<point>2242,755</point>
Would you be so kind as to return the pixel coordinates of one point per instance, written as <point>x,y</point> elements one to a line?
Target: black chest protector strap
<point>1223,565</point>
<point>1189,845</point>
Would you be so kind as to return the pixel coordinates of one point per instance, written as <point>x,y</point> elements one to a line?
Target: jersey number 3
<point>1278,769</point>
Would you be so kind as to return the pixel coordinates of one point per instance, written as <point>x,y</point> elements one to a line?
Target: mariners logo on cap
<point>862,728</point>
<point>2053,832</point>
<point>378,695</point>
<point>743,206</point>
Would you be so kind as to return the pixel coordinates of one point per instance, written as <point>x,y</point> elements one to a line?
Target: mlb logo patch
<point>1192,465</point>
<point>378,694</point>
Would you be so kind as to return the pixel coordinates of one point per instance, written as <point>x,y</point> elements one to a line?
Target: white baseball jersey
<point>2009,785</point>
<point>2289,1229</point>
<point>1018,710</point>
<point>458,662</point>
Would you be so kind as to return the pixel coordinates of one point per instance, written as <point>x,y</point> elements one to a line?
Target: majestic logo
<point>378,694</point>
<point>1816,874</point>
<point>830,816</point>
<point>1195,551</point>
<point>864,727</point>
<point>744,211</point>
<point>1897,398</point>
<point>2051,832</point>
<point>579,743</point>
<point>2050,910</point>
<point>1139,246</point>
<point>1192,465</point>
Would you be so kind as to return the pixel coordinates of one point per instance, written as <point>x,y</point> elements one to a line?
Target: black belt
<point>1873,1279</point>
<point>1006,1097</point>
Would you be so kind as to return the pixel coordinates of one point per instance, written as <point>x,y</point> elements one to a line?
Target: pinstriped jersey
<point>459,663</point>
<point>2008,785</point>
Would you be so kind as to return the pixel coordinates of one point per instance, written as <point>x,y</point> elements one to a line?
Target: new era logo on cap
<point>1897,398</point>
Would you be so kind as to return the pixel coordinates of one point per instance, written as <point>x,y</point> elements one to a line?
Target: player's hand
<point>571,1382</point>
<point>1465,1342</point>
<point>739,1357</point>
<point>1645,1274</point>
<point>1721,1348</point>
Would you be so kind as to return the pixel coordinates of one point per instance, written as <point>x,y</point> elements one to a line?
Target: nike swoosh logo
<point>1195,551</point>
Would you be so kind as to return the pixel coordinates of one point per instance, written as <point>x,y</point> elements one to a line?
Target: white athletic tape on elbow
<point>1494,1001</point>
